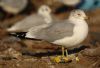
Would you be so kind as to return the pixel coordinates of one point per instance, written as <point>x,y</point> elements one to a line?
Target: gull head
<point>78,14</point>
<point>44,10</point>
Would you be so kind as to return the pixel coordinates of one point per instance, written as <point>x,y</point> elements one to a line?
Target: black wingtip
<point>18,34</point>
<point>21,35</point>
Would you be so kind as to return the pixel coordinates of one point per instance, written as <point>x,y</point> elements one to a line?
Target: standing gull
<point>42,17</point>
<point>13,6</point>
<point>68,33</point>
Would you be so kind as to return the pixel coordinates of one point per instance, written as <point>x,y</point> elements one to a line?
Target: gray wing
<point>54,32</point>
<point>28,22</point>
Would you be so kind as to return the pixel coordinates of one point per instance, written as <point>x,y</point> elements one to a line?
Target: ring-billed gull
<point>82,4</point>
<point>70,2</point>
<point>68,33</point>
<point>42,17</point>
<point>13,6</point>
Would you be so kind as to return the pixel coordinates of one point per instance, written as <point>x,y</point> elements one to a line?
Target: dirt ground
<point>17,53</point>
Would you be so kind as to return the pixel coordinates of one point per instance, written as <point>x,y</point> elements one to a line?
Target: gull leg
<point>66,53</point>
<point>63,51</point>
<point>58,59</point>
<point>72,56</point>
<point>61,58</point>
<point>64,58</point>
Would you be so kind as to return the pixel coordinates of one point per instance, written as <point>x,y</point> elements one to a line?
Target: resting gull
<point>82,4</point>
<point>70,2</point>
<point>68,33</point>
<point>42,17</point>
<point>13,6</point>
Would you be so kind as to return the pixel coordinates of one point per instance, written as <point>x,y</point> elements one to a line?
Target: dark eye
<point>46,9</point>
<point>79,14</point>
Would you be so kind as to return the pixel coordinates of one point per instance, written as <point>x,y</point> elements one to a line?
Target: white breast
<point>80,33</point>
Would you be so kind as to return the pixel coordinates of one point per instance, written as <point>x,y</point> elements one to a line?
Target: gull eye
<point>46,9</point>
<point>79,14</point>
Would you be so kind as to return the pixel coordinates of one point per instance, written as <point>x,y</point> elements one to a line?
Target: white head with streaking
<point>45,11</point>
<point>78,14</point>
<point>41,17</point>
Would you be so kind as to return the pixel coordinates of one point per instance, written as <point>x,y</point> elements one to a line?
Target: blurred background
<point>12,11</point>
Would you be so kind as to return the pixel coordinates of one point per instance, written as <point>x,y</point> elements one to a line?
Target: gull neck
<point>48,18</point>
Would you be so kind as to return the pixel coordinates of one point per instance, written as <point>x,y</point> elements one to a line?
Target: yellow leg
<point>66,53</point>
<point>77,59</point>
<point>64,58</point>
<point>63,51</point>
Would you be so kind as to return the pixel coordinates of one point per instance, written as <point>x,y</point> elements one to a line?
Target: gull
<point>13,6</point>
<point>82,4</point>
<point>42,17</point>
<point>70,2</point>
<point>67,33</point>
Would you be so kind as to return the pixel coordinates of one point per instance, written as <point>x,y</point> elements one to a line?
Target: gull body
<point>80,32</point>
<point>68,33</point>
<point>13,6</point>
<point>82,4</point>
<point>42,17</point>
<point>70,2</point>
